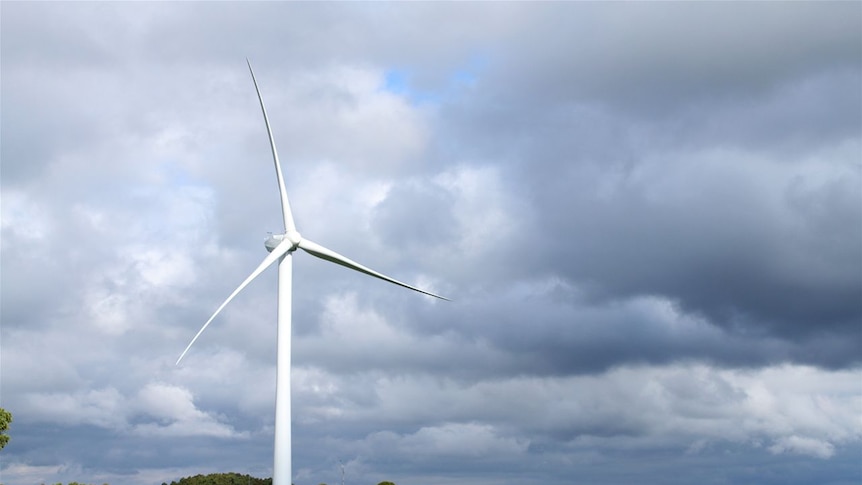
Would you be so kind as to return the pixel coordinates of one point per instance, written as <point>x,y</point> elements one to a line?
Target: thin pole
<point>281,470</point>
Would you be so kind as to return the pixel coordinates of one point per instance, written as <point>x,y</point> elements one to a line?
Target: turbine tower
<point>281,248</point>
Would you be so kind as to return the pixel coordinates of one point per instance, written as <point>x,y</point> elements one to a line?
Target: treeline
<point>222,479</point>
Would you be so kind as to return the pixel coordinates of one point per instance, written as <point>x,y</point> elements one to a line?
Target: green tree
<point>5,419</point>
<point>222,479</point>
<point>386,483</point>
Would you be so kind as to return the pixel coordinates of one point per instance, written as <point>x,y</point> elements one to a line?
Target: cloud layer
<point>649,217</point>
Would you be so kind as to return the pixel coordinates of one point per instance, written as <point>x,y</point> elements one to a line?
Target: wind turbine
<point>281,248</point>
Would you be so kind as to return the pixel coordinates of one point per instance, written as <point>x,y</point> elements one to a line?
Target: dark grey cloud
<point>677,168</point>
<point>655,59</point>
<point>648,217</point>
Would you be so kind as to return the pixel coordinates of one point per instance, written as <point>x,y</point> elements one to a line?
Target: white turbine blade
<point>272,257</point>
<point>321,252</point>
<point>285,205</point>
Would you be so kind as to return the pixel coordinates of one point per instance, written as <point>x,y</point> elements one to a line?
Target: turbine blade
<point>272,257</point>
<point>285,205</point>
<point>321,252</point>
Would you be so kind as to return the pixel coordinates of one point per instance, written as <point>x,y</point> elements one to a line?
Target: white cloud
<point>460,440</point>
<point>23,218</point>
<point>343,113</point>
<point>797,409</point>
<point>26,473</point>
<point>803,446</point>
<point>109,311</point>
<point>168,409</point>
<point>175,414</point>
<point>162,268</point>
<point>483,213</point>
<point>356,335</point>
<point>105,408</point>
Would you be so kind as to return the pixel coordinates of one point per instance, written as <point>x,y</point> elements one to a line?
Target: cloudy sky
<point>649,217</point>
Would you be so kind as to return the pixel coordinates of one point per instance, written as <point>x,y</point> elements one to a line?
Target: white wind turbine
<point>281,247</point>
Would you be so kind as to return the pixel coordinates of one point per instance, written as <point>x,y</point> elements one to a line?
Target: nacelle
<point>272,241</point>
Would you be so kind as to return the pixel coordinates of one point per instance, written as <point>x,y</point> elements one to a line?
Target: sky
<point>648,217</point>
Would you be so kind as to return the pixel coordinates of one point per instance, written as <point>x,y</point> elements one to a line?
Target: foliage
<point>5,419</point>
<point>222,479</point>
<point>386,483</point>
